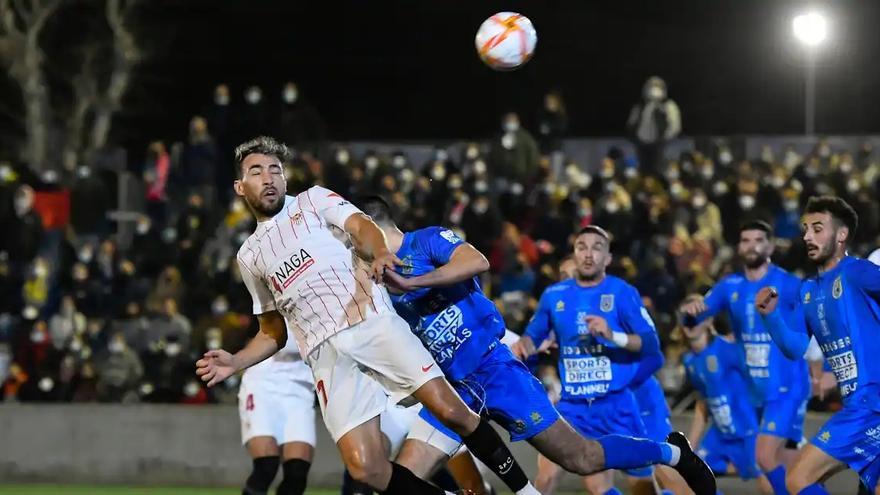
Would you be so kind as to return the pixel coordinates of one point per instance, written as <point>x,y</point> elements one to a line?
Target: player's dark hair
<point>840,211</point>
<point>376,207</point>
<point>757,225</point>
<point>595,229</point>
<point>264,145</point>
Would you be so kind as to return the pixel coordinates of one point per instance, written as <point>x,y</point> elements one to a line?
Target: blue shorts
<point>784,417</point>
<point>503,387</point>
<point>614,414</point>
<point>719,451</point>
<point>852,436</point>
<point>658,424</point>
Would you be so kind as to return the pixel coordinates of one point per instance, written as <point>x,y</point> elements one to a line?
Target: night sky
<point>408,69</point>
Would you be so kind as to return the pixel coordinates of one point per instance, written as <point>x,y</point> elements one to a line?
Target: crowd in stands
<point>87,317</point>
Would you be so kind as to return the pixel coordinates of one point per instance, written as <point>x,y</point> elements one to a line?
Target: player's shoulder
<point>851,264</point>
<point>688,358</point>
<point>246,251</point>
<point>620,285</point>
<point>732,279</point>
<point>559,288</point>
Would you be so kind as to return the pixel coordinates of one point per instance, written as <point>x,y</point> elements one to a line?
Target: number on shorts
<point>249,403</point>
<point>320,387</point>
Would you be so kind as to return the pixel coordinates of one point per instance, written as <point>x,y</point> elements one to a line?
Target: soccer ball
<point>506,40</point>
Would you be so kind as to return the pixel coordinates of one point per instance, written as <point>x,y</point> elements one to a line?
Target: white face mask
<point>5,173</point>
<point>398,161</point>
<point>612,207</point>
<point>438,172</point>
<point>510,126</point>
<point>41,271</point>
<point>221,99</point>
<point>142,227</point>
<point>824,151</point>
<point>846,167</point>
<point>46,384</point>
<point>672,174</point>
<point>585,211</point>
<point>630,172</point>
<point>767,156</point>
<point>472,153</point>
<point>407,176</point>
<point>480,167</point>
<point>656,93</point>
<point>220,307</point>
<point>84,172</point>
<point>213,344</point>
<point>481,207</point>
<point>791,159</point>
<point>116,347</point>
<point>707,172</point>
<point>172,349</point>
<point>455,183</point>
<point>720,188</point>
<point>481,186</point>
<point>676,190</point>
<point>191,389</point>
<point>253,96</point>
<point>516,188</point>
<point>746,202</point>
<point>606,173</point>
<point>441,155</point>
<point>372,163</point>
<point>290,95</point>
<point>699,202</point>
<point>790,204</point>
<point>342,156</point>
<point>38,337</point>
<point>725,157</point>
<point>508,141</point>
<point>853,185</point>
<point>237,206</point>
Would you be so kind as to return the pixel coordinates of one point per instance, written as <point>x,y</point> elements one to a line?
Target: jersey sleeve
<point>635,319</point>
<point>792,311</point>
<point>440,243</point>
<point>539,326</point>
<point>716,301</point>
<point>866,276</point>
<point>333,208</point>
<point>733,358</point>
<point>263,301</point>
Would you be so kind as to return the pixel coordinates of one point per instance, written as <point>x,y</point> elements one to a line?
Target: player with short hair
<point>298,273</point>
<point>716,369</point>
<point>602,330</point>
<point>276,407</point>
<point>780,382</point>
<point>841,309</point>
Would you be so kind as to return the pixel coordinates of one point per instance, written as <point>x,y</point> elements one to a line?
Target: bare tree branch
<point>23,12</point>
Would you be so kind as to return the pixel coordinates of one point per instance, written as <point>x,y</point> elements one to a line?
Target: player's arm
<point>709,305</point>
<point>537,330</point>
<point>648,365</point>
<point>792,341</point>
<point>866,276</point>
<point>218,365</point>
<point>639,335</point>
<point>699,423</point>
<point>464,263</point>
<point>370,243</point>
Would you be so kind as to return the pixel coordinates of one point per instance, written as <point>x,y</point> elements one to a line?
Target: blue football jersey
<point>457,323</point>
<point>771,372</point>
<point>719,375</point>
<point>842,311</point>
<point>589,366</point>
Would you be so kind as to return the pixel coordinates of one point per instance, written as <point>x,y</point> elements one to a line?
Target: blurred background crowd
<point>101,301</point>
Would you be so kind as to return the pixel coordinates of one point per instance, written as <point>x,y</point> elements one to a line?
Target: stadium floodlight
<point>810,29</point>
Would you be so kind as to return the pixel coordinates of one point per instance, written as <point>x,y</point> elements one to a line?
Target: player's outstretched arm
<point>793,343</point>
<point>216,366</point>
<point>464,264</point>
<point>370,243</point>
<point>599,326</point>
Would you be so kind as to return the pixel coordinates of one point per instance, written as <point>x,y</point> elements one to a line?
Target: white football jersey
<point>293,263</point>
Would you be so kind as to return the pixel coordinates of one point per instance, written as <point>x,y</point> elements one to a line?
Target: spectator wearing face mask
<point>119,372</point>
<point>25,229</point>
<point>652,123</point>
<point>254,119</point>
<point>514,156</point>
<point>201,161</point>
<point>300,124</point>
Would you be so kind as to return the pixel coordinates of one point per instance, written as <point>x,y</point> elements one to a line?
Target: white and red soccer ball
<point>506,40</point>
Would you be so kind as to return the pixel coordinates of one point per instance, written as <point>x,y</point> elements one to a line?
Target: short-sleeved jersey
<point>842,311</point>
<point>275,374</point>
<point>719,375</point>
<point>771,372</point>
<point>457,323</point>
<point>590,367</point>
<point>293,263</point>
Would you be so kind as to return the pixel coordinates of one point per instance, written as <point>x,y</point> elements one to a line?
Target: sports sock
<point>814,489</point>
<point>262,474</point>
<point>404,482</point>
<point>296,471</point>
<point>488,447</point>
<point>622,452</point>
<point>776,477</point>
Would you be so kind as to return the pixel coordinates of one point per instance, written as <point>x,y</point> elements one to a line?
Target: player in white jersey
<point>276,406</point>
<point>359,350</point>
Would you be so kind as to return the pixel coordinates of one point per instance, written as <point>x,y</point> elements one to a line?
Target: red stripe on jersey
<point>241,262</point>
<point>356,305</point>
<point>327,330</point>
<point>322,303</point>
<point>347,319</point>
<point>315,210</point>
<point>303,213</point>
<point>271,244</point>
<point>368,293</point>
<point>280,237</point>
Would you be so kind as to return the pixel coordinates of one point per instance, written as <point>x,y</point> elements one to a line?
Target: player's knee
<point>366,469</point>
<point>460,419</point>
<point>797,479</point>
<point>598,484</point>
<point>262,474</point>
<point>767,458</point>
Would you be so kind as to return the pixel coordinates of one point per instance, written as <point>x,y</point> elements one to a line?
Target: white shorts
<point>423,431</point>
<point>287,414</point>
<point>396,423</point>
<point>358,369</point>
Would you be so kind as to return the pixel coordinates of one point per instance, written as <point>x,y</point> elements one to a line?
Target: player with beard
<point>841,309</point>
<point>781,383</point>
<point>299,274</point>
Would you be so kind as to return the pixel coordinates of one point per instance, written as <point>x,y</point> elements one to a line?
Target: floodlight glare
<point>811,29</point>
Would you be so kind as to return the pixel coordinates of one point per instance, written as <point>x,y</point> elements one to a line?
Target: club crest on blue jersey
<point>734,297</point>
<point>606,303</point>
<point>807,298</point>
<point>837,288</point>
<point>560,306</point>
<point>712,364</point>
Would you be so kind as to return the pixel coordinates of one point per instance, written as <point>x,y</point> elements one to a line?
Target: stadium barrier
<point>184,445</point>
